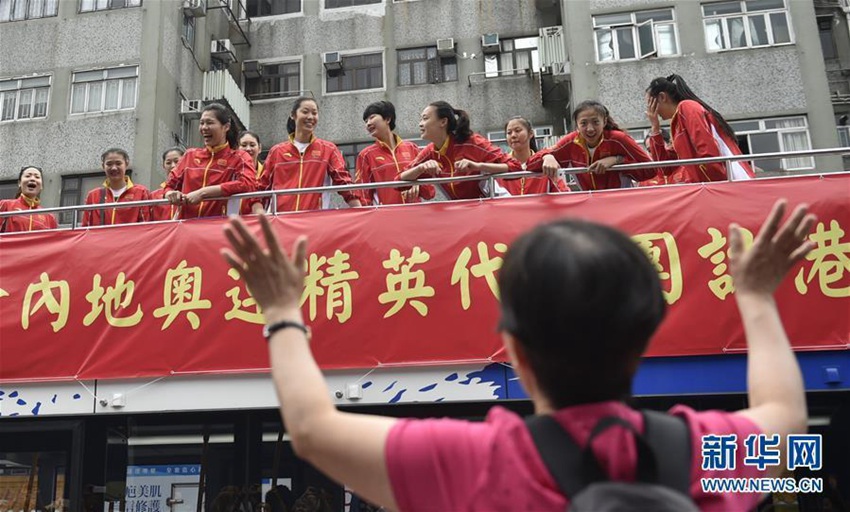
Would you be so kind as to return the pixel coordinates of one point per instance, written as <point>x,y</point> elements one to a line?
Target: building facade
<point>79,76</point>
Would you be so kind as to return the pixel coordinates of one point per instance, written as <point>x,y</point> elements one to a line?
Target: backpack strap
<point>664,452</point>
<point>670,440</point>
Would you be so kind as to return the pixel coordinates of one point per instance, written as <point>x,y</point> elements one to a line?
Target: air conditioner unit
<point>196,8</point>
<point>333,61</point>
<point>446,47</point>
<point>490,43</point>
<point>222,49</point>
<point>252,69</point>
<point>191,108</point>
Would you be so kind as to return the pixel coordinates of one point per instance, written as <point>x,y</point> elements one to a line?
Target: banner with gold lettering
<point>406,285</point>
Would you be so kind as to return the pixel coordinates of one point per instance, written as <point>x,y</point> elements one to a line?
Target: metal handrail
<point>430,181</point>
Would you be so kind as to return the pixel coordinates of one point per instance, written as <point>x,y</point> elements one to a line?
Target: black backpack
<point>662,477</point>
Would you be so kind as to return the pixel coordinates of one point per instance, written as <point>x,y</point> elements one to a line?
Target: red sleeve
<point>694,121</point>
<point>432,462</point>
<point>363,174</point>
<point>175,177</point>
<point>88,215</point>
<point>486,152</point>
<point>560,151</point>
<point>244,175</point>
<point>424,155</point>
<point>51,221</point>
<point>427,191</point>
<point>339,174</point>
<point>144,212</point>
<point>635,153</point>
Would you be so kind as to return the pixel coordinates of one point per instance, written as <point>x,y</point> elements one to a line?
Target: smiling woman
<point>116,188</point>
<point>218,169</point>
<point>29,191</point>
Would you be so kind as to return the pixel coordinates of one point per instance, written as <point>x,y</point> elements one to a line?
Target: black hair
<point>532,141</point>
<point>21,175</point>
<point>384,109</point>
<point>252,134</point>
<point>582,300</point>
<point>600,109</point>
<point>119,151</point>
<point>169,150</point>
<point>678,90</point>
<point>290,123</point>
<point>458,120</point>
<point>223,115</point>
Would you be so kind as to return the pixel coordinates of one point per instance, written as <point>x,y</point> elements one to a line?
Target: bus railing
<point>234,200</point>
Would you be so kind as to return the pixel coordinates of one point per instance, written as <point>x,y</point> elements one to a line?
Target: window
<point>335,4</point>
<point>104,90</point>
<point>259,8</point>
<point>359,72</point>
<point>635,35</point>
<point>543,135</point>
<point>8,189</point>
<point>74,190</point>
<point>103,5</point>
<point>16,10</point>
<point>350,152</point>
<point>189,31</point>
<point>775,135</point>
<point>417,66</point>
<point>516,57</point>
<point>24,98</point>
<point>827,42</point>
<point>279,80</point>
<point>843,137</point>
<point>747,24</point>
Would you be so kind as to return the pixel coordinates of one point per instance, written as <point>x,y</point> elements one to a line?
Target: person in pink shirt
<point>579,302</point>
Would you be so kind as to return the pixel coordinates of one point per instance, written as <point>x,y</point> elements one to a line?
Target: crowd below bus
<point>200,179</point>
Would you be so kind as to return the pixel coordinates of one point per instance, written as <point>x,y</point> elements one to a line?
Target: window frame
<point>189,31</point>
<point>324,5</point>
<point>351,158</point>
<point>95,8</point>
<point>258,17</point>
<point>723,21</point>
<point>533,55</point>
<point>27,10</point>
<point>541,135</point>
<point>354,53</point>
<point>275,61</point>
<point>104,80</point>
<point>33,91</point>
<point>763,129</point>
<point>636,26</point>
<point>440,63</point>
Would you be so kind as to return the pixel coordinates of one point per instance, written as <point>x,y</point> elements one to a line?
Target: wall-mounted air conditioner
<point>490,43</point>
<point>252,69</point>
<point>446,47</point>
<point>333,61</point>
<point>196,8</point>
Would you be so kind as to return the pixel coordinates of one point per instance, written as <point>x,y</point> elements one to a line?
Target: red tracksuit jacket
<point>379,163</point>
<point>232,169</point>
<point>476,148</point>
<point>287,168</point>
<point>692,136</point>
<point>162,211</point>
<point>110,216</point>
<point>533,185</point>
<point>571,151</point>
<point>34,222</point>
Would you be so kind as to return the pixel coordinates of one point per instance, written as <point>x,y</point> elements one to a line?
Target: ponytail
<point>600,109</point>
<point>675,87</point>
<point>458,120</point>
<point>223,115</point>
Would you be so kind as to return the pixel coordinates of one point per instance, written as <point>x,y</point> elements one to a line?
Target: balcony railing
<point>233,201</point>
<point>220,85</point>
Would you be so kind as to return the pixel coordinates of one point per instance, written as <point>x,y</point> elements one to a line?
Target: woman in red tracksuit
<point>383,160</point>
<point>599,144</point>
<point>304,161</point>
<point>520,136</point>
<point>29,191</point>
<point>698,131</point>
<point>170,158</point>
<point>116,188</point>
<point>456,151</point>
<point>216,170</point>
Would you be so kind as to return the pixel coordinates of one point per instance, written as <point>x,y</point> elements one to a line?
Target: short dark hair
<point>583,301</point>
<point>252,134</point>
<point>119,151</point>
<point>384,109</point>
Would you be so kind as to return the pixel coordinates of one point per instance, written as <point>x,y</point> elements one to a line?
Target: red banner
<point>408,285</point>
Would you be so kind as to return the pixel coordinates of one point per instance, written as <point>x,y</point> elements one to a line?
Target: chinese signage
<point>395,285</point>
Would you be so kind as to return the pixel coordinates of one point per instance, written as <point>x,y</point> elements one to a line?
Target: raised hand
<point>760,269</point>
<point>274,279</point>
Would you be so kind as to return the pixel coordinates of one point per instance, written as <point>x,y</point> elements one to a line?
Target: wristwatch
<point>270,329</point>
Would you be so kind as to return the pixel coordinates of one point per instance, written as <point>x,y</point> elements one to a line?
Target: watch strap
<point>270,329</point>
